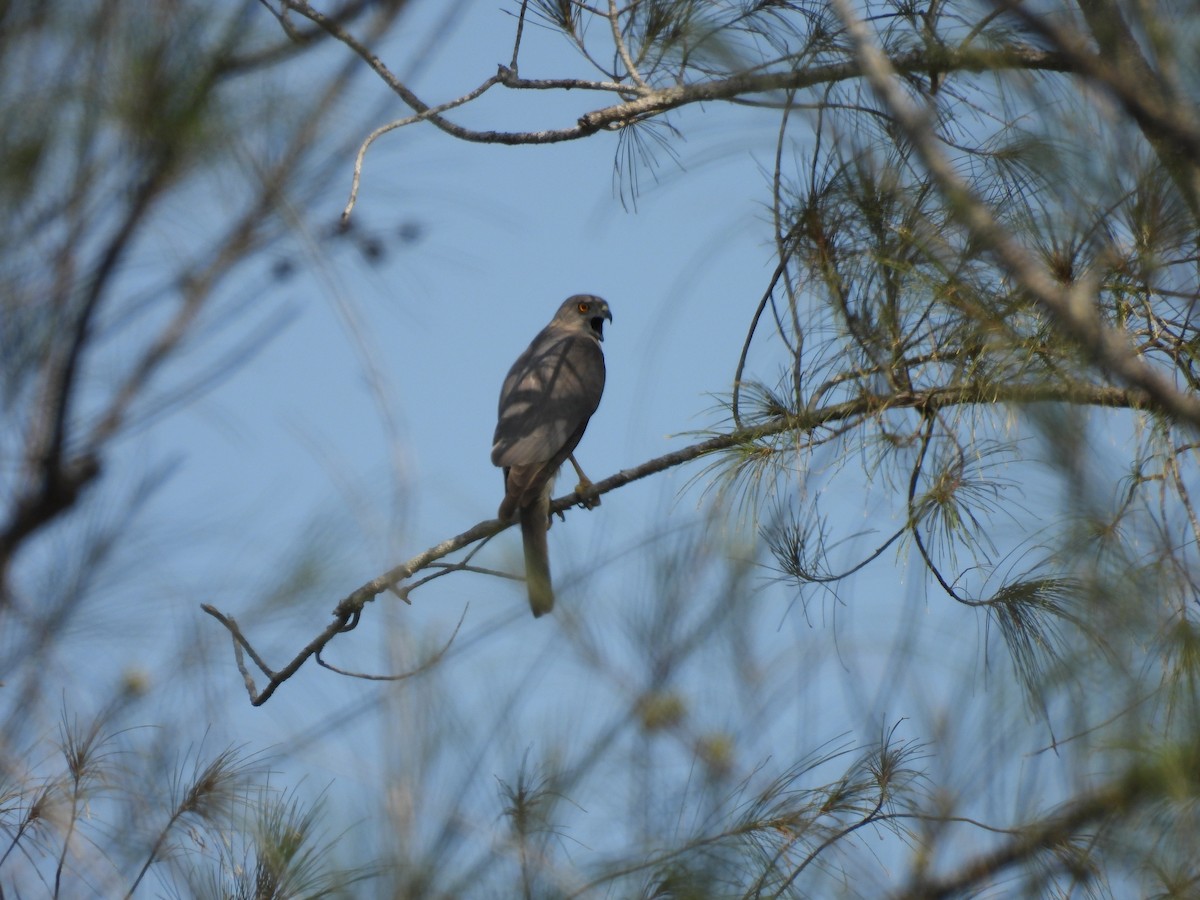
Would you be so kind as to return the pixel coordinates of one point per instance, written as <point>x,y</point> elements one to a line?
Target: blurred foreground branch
<point>1162,777</point>
<point>1074,306</point>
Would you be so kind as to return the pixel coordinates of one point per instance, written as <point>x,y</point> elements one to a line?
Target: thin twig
<point>424,667</point>
<point>517,40</point>
<point>622,49</point>
<point>762,305</point>
<point>400,123</point>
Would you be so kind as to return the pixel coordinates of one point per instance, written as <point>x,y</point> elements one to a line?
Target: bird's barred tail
<point>534,519</point>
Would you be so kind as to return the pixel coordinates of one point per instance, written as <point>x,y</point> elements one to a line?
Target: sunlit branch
<point>619,43</point>
<point>652,101</point>
<point>348,611</point>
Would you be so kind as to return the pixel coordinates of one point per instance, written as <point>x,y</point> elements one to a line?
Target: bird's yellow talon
<point>584,491</point>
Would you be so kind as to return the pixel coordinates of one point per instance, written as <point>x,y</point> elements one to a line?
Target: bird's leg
<point>584,489</point>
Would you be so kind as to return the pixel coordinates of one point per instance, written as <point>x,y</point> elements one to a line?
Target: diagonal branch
<point>622,49</point>
<point>1073,306</point>
<point>1169,122</point>
<point>1140,786</point>
<point>347,613</point>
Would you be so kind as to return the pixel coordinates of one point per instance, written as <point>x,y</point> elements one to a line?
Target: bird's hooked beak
<point>597,323</point>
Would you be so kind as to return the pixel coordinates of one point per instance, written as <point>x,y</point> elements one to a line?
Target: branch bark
<point>652,101</point>
<point>348,611</point>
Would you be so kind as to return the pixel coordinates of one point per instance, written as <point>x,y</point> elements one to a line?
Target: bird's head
<point>586,313</point>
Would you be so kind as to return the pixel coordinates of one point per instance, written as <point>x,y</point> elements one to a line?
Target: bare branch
<point>736,86</point>
<point>400,123</point>
<point>741,364</point>
<point>653,101</point>
<point>423,667</point>
<point>258,698</point>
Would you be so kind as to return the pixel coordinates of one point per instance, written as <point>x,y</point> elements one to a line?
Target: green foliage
<point>91,820</point>
<point>284,853</point>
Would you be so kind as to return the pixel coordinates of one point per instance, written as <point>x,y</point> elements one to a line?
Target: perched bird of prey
<point>548,397</point>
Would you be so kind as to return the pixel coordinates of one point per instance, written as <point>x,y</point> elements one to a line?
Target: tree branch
<point>1169,775</point>
<point>1122,69</point>
<point>1071,306</point>
<point>653,101</point>
<point>347,612</point>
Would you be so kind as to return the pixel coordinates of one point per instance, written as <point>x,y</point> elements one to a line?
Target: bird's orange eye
<point>584,307</point>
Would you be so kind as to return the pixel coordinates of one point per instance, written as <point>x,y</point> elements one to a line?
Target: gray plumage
<point>547,399</point>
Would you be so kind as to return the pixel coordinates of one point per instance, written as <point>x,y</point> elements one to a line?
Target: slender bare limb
<point>400,123</point>
<point>619,41</point>
<point>520,31</point>
<point>653,101</point>
<point>741,364</point>
<point>348,611</point>
<point>423,667</point>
